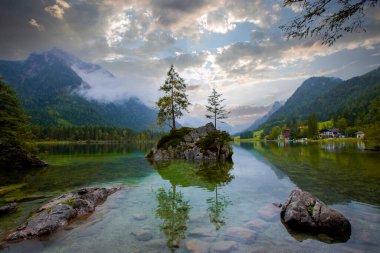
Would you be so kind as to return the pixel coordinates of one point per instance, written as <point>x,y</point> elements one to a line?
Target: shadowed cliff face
<point>335,172</point>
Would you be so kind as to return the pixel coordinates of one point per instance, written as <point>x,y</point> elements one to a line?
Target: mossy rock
<point>174,137</point>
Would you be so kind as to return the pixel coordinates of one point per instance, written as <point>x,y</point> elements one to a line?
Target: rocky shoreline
<point>16,158</point>
<point>58,212</point>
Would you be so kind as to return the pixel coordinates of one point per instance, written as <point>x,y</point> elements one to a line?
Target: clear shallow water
<point>176,202</point>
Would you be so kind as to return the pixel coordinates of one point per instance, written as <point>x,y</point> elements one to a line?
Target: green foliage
<point>174,137</point>
<point>215,107</point>
<point>342,124</point>
<point>13,128</point>
<point>174,102</point>
<point>275,132</point>
<point>312,126</point>
<point>91,133</point>
<point>326,19</point>
<point>213,141</point>
<point>372,135</point>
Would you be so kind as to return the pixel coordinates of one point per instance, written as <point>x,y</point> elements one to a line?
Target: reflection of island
<point>173,209</point>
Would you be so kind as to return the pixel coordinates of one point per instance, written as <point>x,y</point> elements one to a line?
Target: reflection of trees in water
<point>174,212</point>
<point>216,208</point>
<point>217,174</point>
<point>207,175</point>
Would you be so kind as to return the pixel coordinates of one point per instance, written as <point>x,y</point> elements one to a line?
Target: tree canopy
<point>326,19</point>
<point>174,102</point>
<point>215,107</point>
<point>13,128</point>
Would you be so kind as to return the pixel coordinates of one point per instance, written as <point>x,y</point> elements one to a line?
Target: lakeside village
<point>302,134</point>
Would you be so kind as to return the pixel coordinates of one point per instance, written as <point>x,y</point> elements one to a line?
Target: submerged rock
<point>224,247</point>
<point>143,235</point>
<point>10,208</point>
<point>203,143</point>
<point>239,234</point>
<point>304,212</point>
<point>197,246</point>
<point>59,211</point>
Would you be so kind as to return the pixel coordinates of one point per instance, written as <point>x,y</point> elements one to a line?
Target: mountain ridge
<point>48,88</point>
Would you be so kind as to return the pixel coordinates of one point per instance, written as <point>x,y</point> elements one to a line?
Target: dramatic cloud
<point>233,46</point>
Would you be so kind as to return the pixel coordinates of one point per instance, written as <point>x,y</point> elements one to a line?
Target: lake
<point>177,206</point>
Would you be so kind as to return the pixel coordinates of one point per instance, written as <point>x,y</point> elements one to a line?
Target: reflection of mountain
<point>334,177</point>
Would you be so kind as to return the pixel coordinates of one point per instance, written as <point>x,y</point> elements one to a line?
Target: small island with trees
<point>203,143</point>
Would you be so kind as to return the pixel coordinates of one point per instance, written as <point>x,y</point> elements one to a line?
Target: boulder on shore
<point>203,143</point>
<point>12,157</point>
<point>303,212</point>
<point>59,211</point>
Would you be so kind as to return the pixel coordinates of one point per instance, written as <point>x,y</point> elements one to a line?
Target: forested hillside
<point>331,98</point>
<point>47,87</point>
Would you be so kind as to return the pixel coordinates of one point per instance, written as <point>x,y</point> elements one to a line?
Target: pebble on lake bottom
<point>239,234</point>
<point>224,247</point>
<point>197,246</point>
<point>143,235</point>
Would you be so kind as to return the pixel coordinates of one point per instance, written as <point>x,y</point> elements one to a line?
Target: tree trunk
<point>173,118</point>
<point>215,119</point>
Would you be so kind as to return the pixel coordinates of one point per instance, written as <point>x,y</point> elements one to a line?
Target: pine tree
<point>215,107</point>
<point>174,102</point>
<point>312,124</point>
<point>13,128</point>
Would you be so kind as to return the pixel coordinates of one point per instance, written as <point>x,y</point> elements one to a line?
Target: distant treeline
<point>91,133</point>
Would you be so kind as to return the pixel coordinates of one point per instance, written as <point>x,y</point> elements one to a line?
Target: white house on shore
<point>359,135</point>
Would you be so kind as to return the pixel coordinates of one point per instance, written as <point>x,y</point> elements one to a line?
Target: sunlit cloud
<point>35,24</point>
<point>58,10</point>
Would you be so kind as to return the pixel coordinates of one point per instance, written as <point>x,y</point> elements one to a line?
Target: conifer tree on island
<point>215,107</point>
<point>174,102</point>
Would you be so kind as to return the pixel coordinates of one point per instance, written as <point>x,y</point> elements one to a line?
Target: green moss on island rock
<point>213,141</point>
<point>174,137</point>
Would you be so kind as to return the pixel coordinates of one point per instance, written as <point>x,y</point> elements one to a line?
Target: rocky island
<point>203,143</point>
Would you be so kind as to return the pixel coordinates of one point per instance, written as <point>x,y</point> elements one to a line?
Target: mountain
<point>255,125</point>
<point>195,121</point>
<point>51,90</point>
<point>329,97</point>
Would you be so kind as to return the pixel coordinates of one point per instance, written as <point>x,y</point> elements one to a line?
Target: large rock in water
<point>302,211</point>
<point>16,158</point>
<point>58,212</point>
<point>203,143</point>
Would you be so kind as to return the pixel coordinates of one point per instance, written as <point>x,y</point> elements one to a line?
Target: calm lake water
<point>163,206</point>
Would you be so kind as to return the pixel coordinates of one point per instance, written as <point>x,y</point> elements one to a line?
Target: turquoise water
<point>170,204</point>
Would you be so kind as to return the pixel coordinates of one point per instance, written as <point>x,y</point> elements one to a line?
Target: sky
<point>233,46</point>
